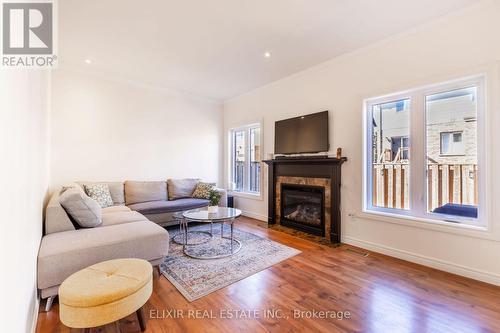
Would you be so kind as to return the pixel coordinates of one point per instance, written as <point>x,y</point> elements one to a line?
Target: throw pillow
<point>84,210</point>
<point>100,193</point>
<point>69,186</point>
<point>202,190</point>
<point>181,188</point>
<point>115,188</point>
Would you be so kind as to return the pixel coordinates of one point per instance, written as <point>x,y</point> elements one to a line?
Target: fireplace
<point>303,208</point>
<point>304,194</point>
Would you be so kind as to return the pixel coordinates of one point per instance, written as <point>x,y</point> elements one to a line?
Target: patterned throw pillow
<point>100,193</point>
<point>202,190</point>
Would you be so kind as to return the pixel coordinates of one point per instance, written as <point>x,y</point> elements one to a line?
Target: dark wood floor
<point>382,294</point>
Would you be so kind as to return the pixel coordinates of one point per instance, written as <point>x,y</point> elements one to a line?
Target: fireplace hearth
<point>302,208</point>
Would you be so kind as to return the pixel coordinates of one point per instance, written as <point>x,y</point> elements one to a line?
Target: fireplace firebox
<point>303,208</point>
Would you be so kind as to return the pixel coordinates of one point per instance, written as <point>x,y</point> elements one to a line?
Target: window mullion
<point>417,155</point>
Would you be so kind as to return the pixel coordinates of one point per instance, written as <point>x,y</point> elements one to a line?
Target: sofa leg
<point>48,303</point>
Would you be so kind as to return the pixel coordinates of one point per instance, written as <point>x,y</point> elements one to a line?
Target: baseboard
<point>253,215</point>
<point>426,261</point>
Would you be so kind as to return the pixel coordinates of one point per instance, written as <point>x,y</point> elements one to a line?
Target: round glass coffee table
<point>224,215</point>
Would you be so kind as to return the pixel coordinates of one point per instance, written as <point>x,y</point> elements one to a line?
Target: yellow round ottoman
<point>106,292</point>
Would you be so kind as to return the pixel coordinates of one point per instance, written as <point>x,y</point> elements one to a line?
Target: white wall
<point>106,129</point>
<point>24,180</point>
<point>461,44</point>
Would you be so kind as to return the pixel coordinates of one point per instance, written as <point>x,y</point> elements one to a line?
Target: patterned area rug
<point>195,278</point>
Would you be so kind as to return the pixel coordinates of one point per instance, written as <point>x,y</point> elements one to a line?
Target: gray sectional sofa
<point>131,228</point>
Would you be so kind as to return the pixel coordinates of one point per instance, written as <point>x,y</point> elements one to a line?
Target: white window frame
<point>246,181</point>
<point>417,183</point>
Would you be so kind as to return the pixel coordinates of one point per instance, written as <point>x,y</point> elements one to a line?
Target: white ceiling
<point>215,48</point>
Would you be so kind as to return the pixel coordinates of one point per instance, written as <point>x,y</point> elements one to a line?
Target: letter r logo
<point>27,28</point>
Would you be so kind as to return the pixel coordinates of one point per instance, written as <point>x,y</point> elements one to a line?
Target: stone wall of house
<point>469,138</point>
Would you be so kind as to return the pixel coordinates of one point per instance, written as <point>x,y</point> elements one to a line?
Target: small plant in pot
<point>214,198</point>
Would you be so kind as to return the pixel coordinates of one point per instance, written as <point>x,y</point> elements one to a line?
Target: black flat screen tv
<point>304,134</point>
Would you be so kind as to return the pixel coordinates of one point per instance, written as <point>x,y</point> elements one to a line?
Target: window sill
<point>430,224</point>
<point>246,195</point>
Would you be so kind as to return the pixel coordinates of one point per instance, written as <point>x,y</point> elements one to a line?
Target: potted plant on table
<point>214,198</point>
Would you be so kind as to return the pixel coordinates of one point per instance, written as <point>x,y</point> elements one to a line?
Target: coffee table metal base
<point>235,245</point>
<point>182,238</point>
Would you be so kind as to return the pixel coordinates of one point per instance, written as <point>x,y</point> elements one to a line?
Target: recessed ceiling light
<point>267,54</point>
<point>88,61</point>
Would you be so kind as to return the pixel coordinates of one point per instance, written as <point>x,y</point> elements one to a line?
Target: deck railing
<point>254,176</point>
<point>446,183</point>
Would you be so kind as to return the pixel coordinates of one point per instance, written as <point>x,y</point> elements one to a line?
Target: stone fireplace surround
<point>324,172</point>
<point>309,181</point>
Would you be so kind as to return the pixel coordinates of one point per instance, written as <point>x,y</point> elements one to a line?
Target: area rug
<point>195,278</point>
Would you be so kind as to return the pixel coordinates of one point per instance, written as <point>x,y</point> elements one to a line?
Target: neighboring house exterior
<point>391,131</point>
<point>451,126</point>
<point>451,131</point>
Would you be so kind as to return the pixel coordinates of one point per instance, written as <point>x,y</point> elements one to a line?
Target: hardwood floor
<point>381,294</point>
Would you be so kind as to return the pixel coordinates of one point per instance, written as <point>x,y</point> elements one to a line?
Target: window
<point>434,133</point>
<point>390,127</point>
<point>245,152</point>
<point>452,182</point>
<point>254,178</point>
<point>451,143</point>
<point>239,159</point>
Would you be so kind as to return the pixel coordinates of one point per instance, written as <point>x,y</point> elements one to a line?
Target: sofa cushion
<point>181,188</point>
<point>137,191</point>
<point>202,190</point>
<point>121,217</point>
<point>84,210</point>
<point>100,193</point>
<point>113,209</point>
<point>63,253</point>
<point>116,189</point>
<point>157,207</point>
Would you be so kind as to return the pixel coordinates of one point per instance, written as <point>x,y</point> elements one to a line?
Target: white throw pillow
<point>100,193</point>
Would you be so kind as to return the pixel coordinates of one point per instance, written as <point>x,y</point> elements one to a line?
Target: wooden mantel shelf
<point>306,159</point>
